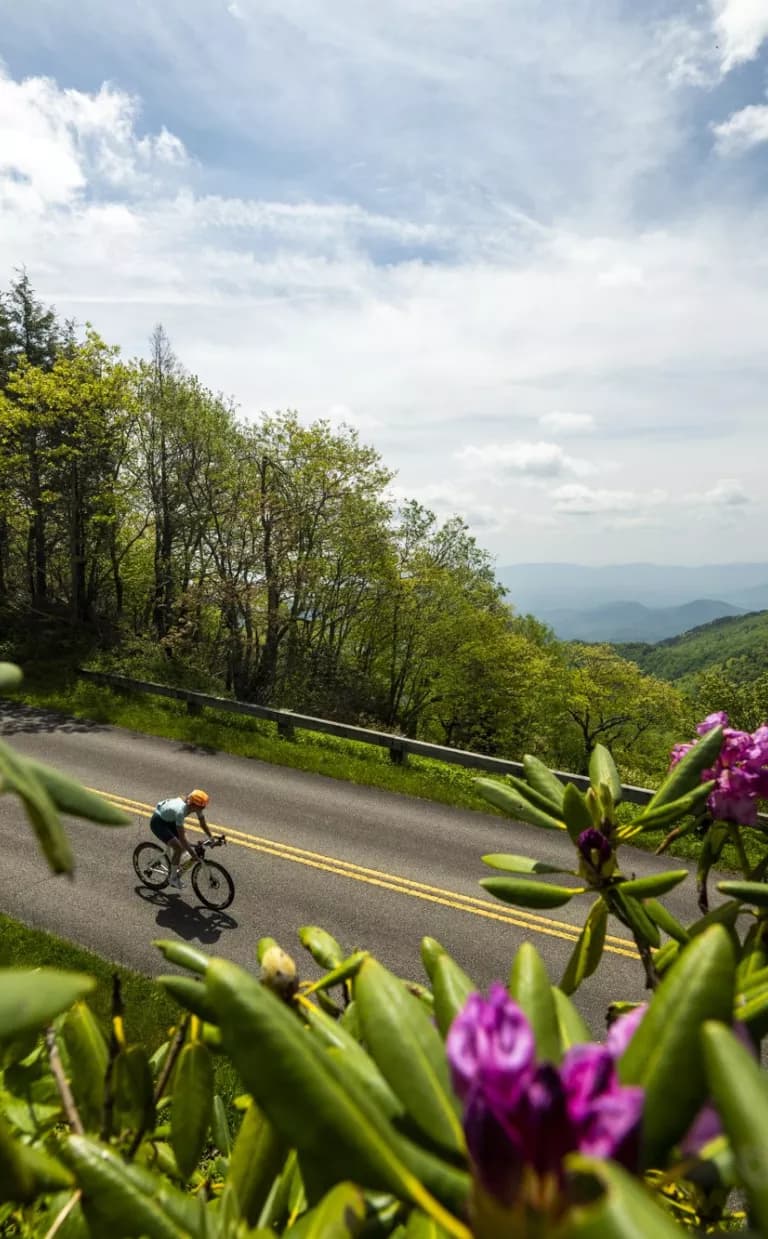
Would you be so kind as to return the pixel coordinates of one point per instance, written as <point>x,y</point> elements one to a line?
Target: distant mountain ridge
<point>737,643</point>
<point>634,622</point>
<point>538,587</point>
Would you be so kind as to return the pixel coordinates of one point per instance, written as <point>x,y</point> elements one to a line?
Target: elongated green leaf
<point>602,770</point>
<point>87,1053</point>
<point>664,814</point>
<point>543,780</point>
<point>10,676</point>
<point>340,1215</point>
<point>666,921</point>
<point>686,775</point>
<point>530,987</point>
<point>40,810</point>
<point>527,894</point>
<point>520,864</point>
<point>752,1009</point>
<point>333,1036</point>
<point>192,1105</point>
<point>748,892</point>
<point>625,1210</point>
<point>539,799</point>
<point>740,1090</point>
<point>344,972</point>
<point>631,913</point>
<point>588,950</point>
<point>71,798</point>
<point>754,954</point>
<point>31,997</point>
<point>183,955</point>
<point>516,805</point>
<point>654,884</point>
<point>189,994</point>
<point>257,1155</point>
<point>322,946</point>
<point>451,988</point>
<point>123,1201</point>
<point>573,1030</point>
<point>220,1132</point>
<point>134,1090</point>
<point>576,812</point>
<point>409,1052</point>
<point>419,1226</point>
<point>313,1103</point>
<point>27,1172</point>
<point>663,1056</point>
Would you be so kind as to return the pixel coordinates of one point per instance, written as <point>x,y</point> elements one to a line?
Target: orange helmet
<point>197,799</point>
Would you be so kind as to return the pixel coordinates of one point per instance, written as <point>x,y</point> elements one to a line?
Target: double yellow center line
<point>530,921</point>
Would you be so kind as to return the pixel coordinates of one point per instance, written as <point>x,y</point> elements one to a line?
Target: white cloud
<point>533,460</point>
<point>727,493</point>
<point>741,27</point>
<point>576,499</point>
<point>742,130</point>
<point>568,423</point>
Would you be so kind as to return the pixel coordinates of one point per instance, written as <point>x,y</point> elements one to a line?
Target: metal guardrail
<point>287,721</point>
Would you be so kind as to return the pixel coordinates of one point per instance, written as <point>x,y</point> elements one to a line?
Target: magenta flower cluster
<point>522,1115</point>
<point>740,772</point>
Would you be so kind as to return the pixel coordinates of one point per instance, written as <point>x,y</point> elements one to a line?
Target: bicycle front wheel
<point>212,885</point>
<point>151,865</point>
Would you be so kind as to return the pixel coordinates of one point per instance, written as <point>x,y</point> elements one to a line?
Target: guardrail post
<point>194,707</point>
<point>286,729</point>
<point>397,753</point>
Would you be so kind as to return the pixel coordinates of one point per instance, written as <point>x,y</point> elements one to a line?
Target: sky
<point>521,248</point>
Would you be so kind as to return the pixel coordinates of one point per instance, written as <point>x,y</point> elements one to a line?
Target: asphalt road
<point>376,869</point>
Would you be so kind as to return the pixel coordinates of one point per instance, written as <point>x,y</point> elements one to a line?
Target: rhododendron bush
<point>375,1105</point>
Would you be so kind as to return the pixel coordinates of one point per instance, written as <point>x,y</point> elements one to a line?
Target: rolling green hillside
<point>738,644</point>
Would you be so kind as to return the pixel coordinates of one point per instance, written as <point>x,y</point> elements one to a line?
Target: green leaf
<point>451,986</point>
<point>10,676</point>
<point>316,1106</point>
<point>662,917</point>
<point>257,1155</point>
<point>71,798</point>
<point>134,1090</point>
<point>40,810</point>
<point>625,1210</point>
<point>516,805</point>
<point>31,997</point>
<point>664,1056</point>
<point>419,1226</point>
<point>220,1126</point>
<point>740,1091</point>
<point>87,1053</point>
<point>664,814</point>
<point>520,864</point>
<point>530,987</point>
<point>534,797</point>
<point>340,1215</point>
<point>543,780</point>
<point>686,775</point>
<point>588,950</point>
<point>26,1172</point>
<point>576,811</point>
<point>409,1052</point>
<point>631,913</point>
<point>183,955</point>
<point>322,946</point>
<point>602,770</point>
<point>334,1037</point>
<point>192,1105</point>
<point>526,894</point>
<point>190,994</point>
<point>654,884</point>
<point>752,1010</point>
<point>748,892</point>
<point>344,972</point>
<point>123,1201</point>
<point>573,1030</point>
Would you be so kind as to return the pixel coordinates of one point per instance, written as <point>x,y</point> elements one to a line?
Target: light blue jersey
<point>173,810</point>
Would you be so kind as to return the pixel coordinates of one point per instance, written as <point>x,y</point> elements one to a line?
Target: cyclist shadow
<point>198,923</point>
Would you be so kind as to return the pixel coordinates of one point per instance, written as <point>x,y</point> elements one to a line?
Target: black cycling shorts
<point>162,830</point>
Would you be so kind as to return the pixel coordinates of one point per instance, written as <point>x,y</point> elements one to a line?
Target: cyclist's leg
<point>165,834</point>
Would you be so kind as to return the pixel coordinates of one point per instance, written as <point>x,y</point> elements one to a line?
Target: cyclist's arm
<point>204,824</point>
<point>184,841</point>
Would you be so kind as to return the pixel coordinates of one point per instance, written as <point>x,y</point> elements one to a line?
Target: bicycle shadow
<point>199,923</point>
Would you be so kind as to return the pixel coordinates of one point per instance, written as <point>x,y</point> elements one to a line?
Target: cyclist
<point>167,825</point>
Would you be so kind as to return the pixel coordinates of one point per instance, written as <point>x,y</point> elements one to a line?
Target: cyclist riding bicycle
<point>167,825</point>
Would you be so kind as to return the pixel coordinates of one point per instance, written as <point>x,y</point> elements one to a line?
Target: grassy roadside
<point>346,760</point>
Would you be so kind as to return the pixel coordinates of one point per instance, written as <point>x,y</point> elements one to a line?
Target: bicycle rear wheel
<point>151,865</point>
<point>212,885</point>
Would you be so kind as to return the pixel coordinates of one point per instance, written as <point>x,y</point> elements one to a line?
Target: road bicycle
<point>210,881</point>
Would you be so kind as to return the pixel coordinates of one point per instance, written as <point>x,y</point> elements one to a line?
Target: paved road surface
<point>376,869</point>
